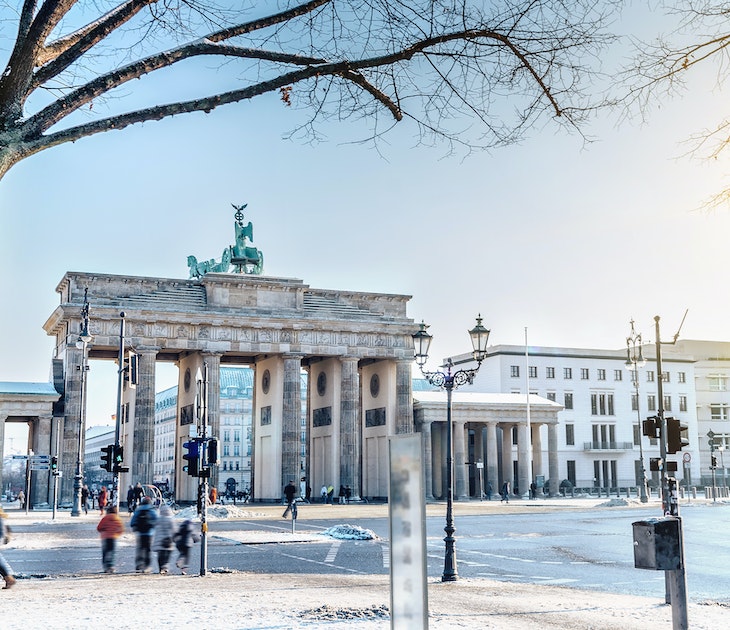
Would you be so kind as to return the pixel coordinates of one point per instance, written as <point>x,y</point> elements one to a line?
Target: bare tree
<point>699,37</point>
<point>444,65</point>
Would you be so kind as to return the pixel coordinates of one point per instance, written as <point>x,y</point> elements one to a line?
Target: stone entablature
<point>233,314</point>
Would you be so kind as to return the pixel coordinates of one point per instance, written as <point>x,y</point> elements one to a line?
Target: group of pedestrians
<point>156,533</point>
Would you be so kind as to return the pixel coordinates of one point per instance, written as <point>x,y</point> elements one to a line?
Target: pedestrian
<point>110,528</point>
<point>323,493</point>
<point>341,495</point>
<point>102,499</point>
<point>85,498</point>
<point>184,539</point>
<point>213,495</point>
<point>21,499</point>
<point>143,524</point>
<point>130,499</point>
<point>303,489</point>
<point>505,492</point>
<point>5,569</point>
<point>490,491</point>
<point>348,494</point>
<point>163,541</point>
<point>138,494</point>
<point>290,491</point>
<point>533,490</point>
<point>330,493</point>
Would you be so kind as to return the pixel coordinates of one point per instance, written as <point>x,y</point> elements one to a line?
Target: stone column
<point>291,420</point>
<point>214,405</point>
<point>507,470</point>
<point>427,454</point>
<point>71,422</point>
<point>350,426</point>
<point>536,451</point>
<point>523,458</point>
<point>143,441</point>
<point>404,397</point>
<point>492,457</point>
<point>41,443</point>
<point>460,477</point>
<point>553,470</point>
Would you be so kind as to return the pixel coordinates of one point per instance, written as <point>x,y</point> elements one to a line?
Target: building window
<point>667,403</point>
<point>719,412</point>
<point>637,435</point>
<point>549,372</point>
<point>514,371</point>
<point>550,396</point>
<point>665,377</point>
<point>618,375</point>
<point>717,383</point>
<point>514,436</point>
<point>236,436</point>
<point>602,404</point>
<point>601,374</point>
<point>650,376</point>
<point>569,435</point>
<point>568,401</point>
<point>533,371</point>
<point>568,374</point>
<point>683,403</point>
<point>634,402</point>
<point>681,377</point>
<point>584,374</point>
<point>651,402</point>
<point>571,470</point>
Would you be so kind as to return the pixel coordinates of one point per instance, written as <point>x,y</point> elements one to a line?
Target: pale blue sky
<point>571,241</point>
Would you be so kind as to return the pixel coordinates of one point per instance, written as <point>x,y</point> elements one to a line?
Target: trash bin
<point>657,544</point>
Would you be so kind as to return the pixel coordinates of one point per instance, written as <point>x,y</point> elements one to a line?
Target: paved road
<point>588,549</point>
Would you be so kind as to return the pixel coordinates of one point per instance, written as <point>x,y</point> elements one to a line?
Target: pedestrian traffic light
<point>676,435</point>
<point>713,462</point>
<point>54,465</point>
<point>107,457</point>
<point>212,452</point>
<point>192,457</point>
<point>119,460</point>
<point>651,427</point>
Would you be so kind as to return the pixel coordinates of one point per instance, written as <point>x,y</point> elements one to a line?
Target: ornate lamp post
<point>449,381</point>
<point>634,361</point>
<point>82,344</point>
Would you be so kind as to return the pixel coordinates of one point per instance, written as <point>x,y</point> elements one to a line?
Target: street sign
<point>686,458</point>
<point>40,466</point>
<point>40,459</point>
<point>20,457</point>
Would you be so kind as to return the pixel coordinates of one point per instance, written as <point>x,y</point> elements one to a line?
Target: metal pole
<point>662,421</point>
<point>203,487</point>
<point>120,390</point>
<point>450,572</point>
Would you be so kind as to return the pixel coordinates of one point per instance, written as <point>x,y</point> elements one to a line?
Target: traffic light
<point>119,460</point>
<point>192,457</point>
<point>676,435</point>
<point>651,427</point>
<point>212,452</point>
<point>713,462</point>
<point>54,465</point>
<point>107,457</point>
<point>131,369</point>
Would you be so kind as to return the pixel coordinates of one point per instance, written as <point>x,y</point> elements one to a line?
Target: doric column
<point>460,478</point>
<point>404,397</point>
<point>291,420</point>
<point>507,470</point>
<point>553,469</point>
<point>71,422</point>
<point>427,454</point>
<point>350,429</point>
<point>492,457</point>
<point>213,361</point>
<point>523,458</point>
<point>143,443</point>
<point>536,451</point>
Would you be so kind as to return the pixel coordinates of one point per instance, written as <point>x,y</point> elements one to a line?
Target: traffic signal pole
<point>203,486</point>
<point>118,423</point>
<point>675,580</point>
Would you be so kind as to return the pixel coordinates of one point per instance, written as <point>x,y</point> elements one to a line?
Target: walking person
<point>163,541</point>
<point>110,528</point>
<point>143,524</point>
<point>184,540</point>
<point>505,492</point>
<point>5,570</point>
<point>85,498</point>
<point>323,494</point>
<point>102,499</point>
<point>290,492</point>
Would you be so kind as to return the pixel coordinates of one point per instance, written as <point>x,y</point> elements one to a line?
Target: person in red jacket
<point>102,499</point>
<point>110,528</point>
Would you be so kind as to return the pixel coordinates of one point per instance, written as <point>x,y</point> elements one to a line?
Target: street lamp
<point>82,344</point>
<point>449,381</point>
<point>634,361</point>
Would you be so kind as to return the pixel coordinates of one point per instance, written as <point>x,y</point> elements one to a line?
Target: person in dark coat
<point>143,524</point>
<point>163,541</point>
<point>185,537</point>
<point>290,491</point>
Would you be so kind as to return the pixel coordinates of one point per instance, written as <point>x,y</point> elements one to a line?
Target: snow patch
<point>349,532</point>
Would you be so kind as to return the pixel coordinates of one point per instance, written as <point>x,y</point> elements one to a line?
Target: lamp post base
<point>76,508</point>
